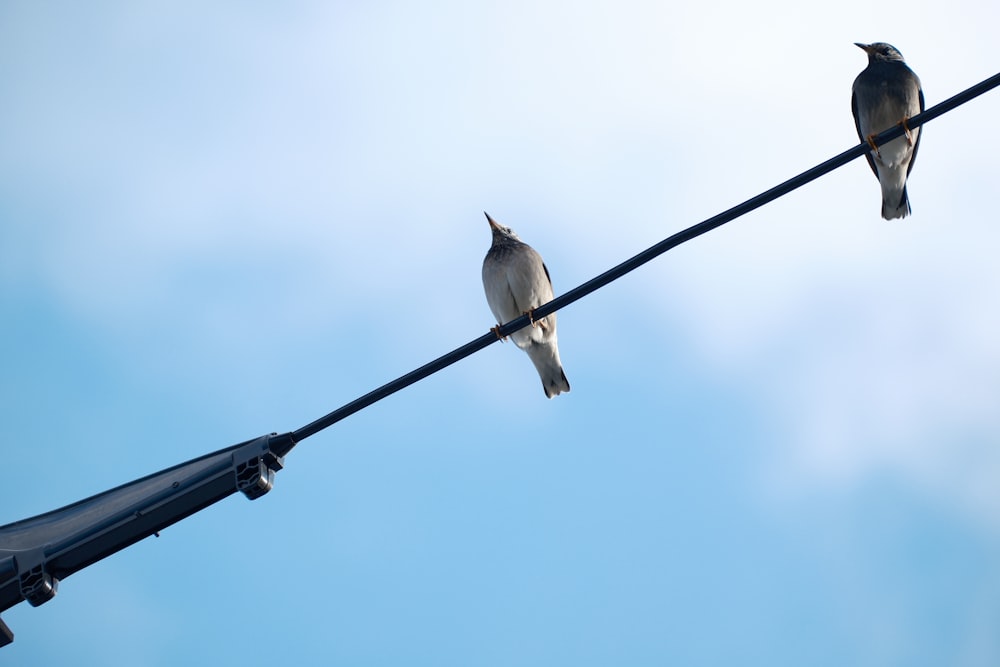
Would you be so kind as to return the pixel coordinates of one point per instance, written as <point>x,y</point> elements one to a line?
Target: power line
<point>36,553</point>
<point>635,262</point>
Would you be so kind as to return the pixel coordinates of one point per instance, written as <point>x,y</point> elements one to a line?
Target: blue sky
<point>782,444</point>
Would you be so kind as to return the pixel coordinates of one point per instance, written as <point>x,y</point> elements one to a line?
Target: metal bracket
<point>255,465</point>
<point>36,553</point>
<point>37,585</point>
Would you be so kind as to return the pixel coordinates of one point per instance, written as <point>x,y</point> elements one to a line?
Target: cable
<point>643,257</point>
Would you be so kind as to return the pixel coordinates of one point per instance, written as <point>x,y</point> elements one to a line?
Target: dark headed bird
<point>888,93</point>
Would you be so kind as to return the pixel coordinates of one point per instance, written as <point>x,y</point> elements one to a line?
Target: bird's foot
<point>871,142</point>
<point>531,318</point>
<point>496,330</point>
<point>906,131</point>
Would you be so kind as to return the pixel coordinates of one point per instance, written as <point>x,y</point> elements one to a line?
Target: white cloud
<point>312,164</point>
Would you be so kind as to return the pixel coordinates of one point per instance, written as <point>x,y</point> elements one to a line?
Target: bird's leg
<point>496,330</point>
<point>531,318</point>
<point>906,131</point>
<point>871,142</point>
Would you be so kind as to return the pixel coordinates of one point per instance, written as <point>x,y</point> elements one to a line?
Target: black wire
<point>640,259</point>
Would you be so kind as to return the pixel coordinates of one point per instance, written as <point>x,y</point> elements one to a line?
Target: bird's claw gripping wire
<point>871,142</point>
<point>531,318</point>
<point>906,131</point>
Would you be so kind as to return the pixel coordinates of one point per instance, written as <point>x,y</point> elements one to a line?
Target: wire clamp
<point>255,465</point>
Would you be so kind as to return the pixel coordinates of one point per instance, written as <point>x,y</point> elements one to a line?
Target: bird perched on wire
<point>516,282</point>
<point>888,93</point>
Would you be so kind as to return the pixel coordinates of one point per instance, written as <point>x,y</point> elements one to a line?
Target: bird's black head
<point>880,52</point>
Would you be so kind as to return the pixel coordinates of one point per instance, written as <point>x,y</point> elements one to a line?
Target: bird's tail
<point>895,204</point>
<point>545,357</point>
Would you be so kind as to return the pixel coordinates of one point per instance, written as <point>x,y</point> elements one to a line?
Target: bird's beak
<point>867,48</point>
<point>493,223</point>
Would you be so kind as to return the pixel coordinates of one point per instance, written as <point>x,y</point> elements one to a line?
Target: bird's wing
<point>916,144</point>
<point>529,279</point>
<point>861,135</point>
<point>506,306</point>
<point>498,293</point>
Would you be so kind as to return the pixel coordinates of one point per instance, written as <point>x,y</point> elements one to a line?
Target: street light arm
<point>36,553</point>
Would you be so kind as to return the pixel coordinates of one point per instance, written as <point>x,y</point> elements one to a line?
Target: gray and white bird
<point>516,282</point>
<point>888,93</point>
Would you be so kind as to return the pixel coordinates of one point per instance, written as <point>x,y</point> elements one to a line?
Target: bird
<point>516,282</point>
<point>888,93</point>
